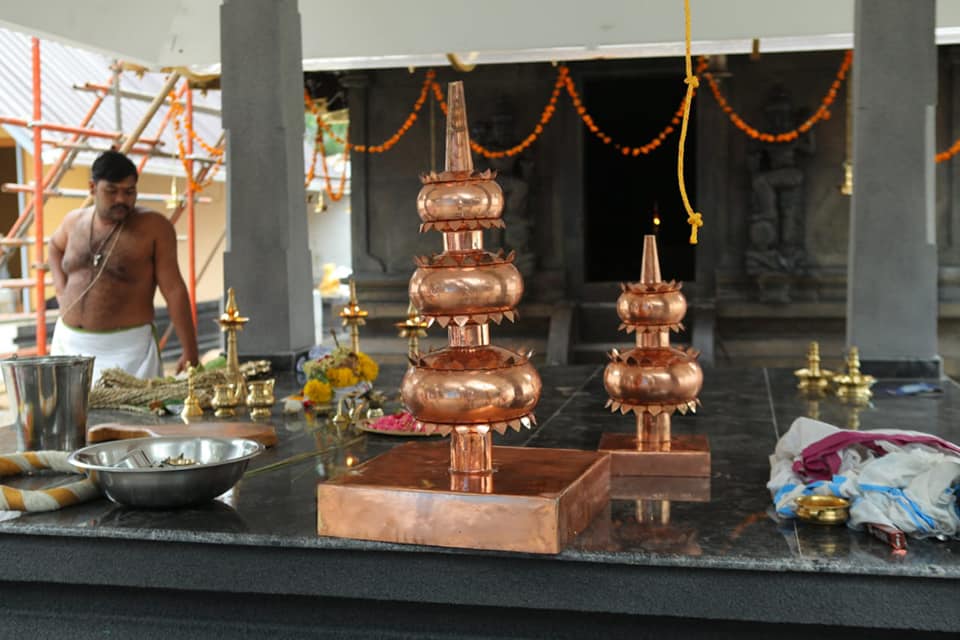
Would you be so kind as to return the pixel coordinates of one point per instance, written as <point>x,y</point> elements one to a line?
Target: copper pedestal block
<point>669,488</point>
<point>652,380</point>
<point>534,501</point>
<point>682,455</point>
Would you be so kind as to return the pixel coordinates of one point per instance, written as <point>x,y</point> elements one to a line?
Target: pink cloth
<point>821,460</point>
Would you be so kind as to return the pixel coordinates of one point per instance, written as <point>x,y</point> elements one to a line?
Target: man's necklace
<point>97,257</point>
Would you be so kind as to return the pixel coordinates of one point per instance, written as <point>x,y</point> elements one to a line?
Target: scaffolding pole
<point>144,121</point>
<point>38,206</point>
<point>191,208</point>
<point>163,125</point>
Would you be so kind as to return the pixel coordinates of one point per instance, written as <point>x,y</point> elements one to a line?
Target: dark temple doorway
<point>622,193</point>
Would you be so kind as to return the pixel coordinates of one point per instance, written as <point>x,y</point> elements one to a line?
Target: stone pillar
<point>892,263</point>
<point>267,258</point>
<point>365,264</point>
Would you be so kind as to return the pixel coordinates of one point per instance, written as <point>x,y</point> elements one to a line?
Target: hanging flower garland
<point>389,142</point>
<point>953,150</point>
<point>545,116</point>
<point>626,150</point>
<point>822,112</point>
<point>217,152</point>
<point>335,197</point>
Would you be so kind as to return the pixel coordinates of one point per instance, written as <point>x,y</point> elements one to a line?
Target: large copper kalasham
<point>653,380</point>
<point>472,495</point>
<point>471,388</point>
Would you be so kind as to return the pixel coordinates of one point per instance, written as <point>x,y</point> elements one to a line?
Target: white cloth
<point>134,350</point>
<point>912,488</point>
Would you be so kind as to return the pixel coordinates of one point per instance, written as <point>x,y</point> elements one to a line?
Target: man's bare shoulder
<point>151,221</point>
<point>74,217</point>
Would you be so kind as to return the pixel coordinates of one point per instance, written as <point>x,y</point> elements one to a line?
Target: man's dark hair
<point>112,166</point>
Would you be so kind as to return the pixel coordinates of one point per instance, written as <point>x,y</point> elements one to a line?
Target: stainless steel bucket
<point>49,396</point>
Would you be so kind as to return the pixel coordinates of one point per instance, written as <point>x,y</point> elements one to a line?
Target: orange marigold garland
<point>389,142</point>
<point>627,150</point>
<point>545,116</point>
<point>217,152</point>
<point>335,197</point>
<point>822,112</point>
<point>953,150</point>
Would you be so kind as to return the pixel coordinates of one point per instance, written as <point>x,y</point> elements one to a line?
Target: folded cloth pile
<point>903,479</point>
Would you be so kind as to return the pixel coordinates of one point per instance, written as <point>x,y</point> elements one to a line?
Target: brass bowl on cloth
<point>823,509</point>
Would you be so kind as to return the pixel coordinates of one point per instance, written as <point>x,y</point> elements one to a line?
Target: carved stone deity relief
<point>776,252</point>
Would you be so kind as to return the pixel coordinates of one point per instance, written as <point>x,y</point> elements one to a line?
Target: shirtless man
<point>107,262</point>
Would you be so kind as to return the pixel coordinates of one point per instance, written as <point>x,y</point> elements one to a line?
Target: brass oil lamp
<point>232,323</point>
<point>653,380</point>
<point>413,328</point>
<point>854,386</point>
<point>354,317</point>
<point>813,379</point>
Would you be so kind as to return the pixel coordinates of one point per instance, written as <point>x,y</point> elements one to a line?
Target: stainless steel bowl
<point>156,472</point>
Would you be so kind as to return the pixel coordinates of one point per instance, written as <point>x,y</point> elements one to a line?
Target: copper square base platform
<point>680,489</point>
<point>689,455</point>
<point>538,501</point>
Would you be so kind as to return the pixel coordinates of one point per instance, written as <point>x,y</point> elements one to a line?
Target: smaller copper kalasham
<point>653,380</point>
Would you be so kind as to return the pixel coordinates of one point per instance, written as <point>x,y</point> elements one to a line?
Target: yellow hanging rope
<point>694,219</point>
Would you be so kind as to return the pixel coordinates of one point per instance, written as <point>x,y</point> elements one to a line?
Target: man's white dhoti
<point>134,350</point>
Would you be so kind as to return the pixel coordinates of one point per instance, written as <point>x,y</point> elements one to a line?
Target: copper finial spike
<point>458,135</point>
<point>650,270</point>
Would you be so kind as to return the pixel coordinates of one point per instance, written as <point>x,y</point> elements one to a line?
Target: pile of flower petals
<point>400,421</point>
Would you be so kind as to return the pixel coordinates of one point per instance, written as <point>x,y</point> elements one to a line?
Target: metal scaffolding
<point>196,168</point>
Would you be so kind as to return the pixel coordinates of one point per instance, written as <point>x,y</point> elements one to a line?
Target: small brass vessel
<point>260,399</point>
<point>224,400</point>
<point>823,509</point>
<point>191,404</point>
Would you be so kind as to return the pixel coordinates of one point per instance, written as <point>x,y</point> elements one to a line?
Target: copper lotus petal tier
<point>463,225</point>
<point>650,328</point>
<point>652,409</point>
<point>653,376</point>
<point>485,358</point>
<point>461,200</point>
<point>631,357</point>
<point>465,259</point>
<point>460,292</point>
<point>457,176</point>
<point>651,287</point>
<point>660,308</point>
<point>523,422</point>
<point>495,317</point>
<point>486,390</point>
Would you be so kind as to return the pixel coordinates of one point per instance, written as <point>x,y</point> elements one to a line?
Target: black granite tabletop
<point>723,523</point>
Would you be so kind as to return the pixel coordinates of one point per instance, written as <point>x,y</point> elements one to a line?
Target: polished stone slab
<point>674,536</point>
